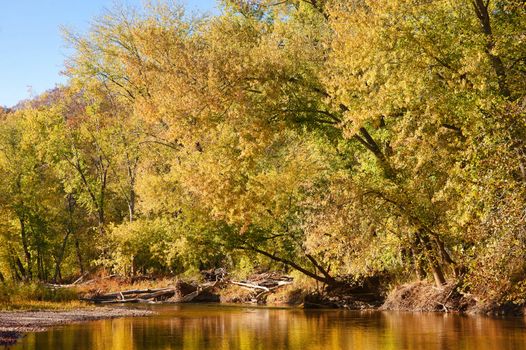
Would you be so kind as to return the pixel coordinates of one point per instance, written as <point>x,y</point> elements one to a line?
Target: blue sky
<point>32,51</point>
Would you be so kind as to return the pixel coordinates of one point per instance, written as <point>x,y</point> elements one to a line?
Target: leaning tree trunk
<point>58,262</point>
<point>326,278</point>
<point>434,263</point>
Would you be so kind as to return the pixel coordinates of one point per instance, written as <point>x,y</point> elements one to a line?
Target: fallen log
<point>249,285</point>
<point>189,297</point>
<point>262,287</point>
<point>132,292</point>
<point>160,293</point>
<point>136,295</point>
<point>78,280</point>
<point>118,301</point>
<point>186,293</point>
<point>280,284</point>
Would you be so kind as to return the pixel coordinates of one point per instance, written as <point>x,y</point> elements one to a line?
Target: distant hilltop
<point>44,99</point>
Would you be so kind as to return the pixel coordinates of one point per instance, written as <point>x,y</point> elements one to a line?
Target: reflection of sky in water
<point>193,327</point>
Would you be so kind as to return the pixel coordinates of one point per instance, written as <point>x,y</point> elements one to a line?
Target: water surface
<point>192,327</point>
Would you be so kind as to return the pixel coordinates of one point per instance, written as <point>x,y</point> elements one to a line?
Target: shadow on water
<point>192,327</point>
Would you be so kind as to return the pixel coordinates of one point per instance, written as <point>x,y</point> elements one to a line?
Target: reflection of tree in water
<point>295,329</point>
<point>193,327</point>
<point>446,331</point>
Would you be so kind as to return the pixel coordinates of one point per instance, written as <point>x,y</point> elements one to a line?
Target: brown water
<point>202,327</point>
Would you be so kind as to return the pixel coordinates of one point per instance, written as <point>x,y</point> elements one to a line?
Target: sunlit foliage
<point>342,139</point>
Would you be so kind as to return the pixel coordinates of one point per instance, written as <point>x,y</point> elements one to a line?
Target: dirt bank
<point>424,297</point>
<point>14,323</point>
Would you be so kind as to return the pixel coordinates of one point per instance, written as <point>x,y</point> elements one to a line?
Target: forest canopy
<point>340,139</point>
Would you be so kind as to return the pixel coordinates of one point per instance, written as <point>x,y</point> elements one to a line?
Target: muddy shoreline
<point>13,324</point>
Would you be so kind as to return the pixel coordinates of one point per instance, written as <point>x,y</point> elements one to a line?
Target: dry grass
<point>109,285</point>
<point>35,296</point>
<point>36,305</point>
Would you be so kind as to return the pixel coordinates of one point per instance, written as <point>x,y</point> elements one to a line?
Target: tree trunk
<point>13,259</point>
<point>60,257</point>
<point>131,205</point>
<point>327,279</point>
<point>42,272</point>
<point>434,264</point>
<point>23,272</point>
<point>13,269</point>
<point>482,12</point>
<point>132,174</point>
<point>438,274</point>
<point>25,245</point>
<point>79,255</point>
<point>101,221</point>
<point>368,142</point>
<point>446,257</point>
<point>418,262</point>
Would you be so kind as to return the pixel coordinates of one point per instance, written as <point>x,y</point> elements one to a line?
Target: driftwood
<point>200,291</point>
<point>189,297</point>
<point>79,280</point>
<point>275,285</point>
<point>250,285</point>
<point>134,291</point>
<point>214,275</point>
<point>263,284</point>
<point>132,296</point>
<point>158,294</point>
<point>153,295</point>
<point>119,301</point>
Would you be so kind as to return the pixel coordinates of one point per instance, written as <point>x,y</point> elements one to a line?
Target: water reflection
<point>192,327</point>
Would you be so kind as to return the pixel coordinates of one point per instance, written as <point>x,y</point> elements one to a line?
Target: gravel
<point>37,321</point>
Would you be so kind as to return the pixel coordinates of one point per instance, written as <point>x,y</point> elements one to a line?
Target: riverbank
<point>425,297</point>
<point>278,289</point>
<point>272,289</point>
<point>13,324</point>
<point>416,297</point>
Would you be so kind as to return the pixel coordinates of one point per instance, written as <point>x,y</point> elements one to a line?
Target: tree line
<point>341,139</point>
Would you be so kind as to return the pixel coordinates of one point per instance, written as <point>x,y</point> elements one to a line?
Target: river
<point>208,326</point>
